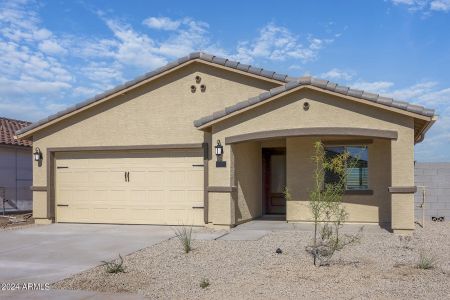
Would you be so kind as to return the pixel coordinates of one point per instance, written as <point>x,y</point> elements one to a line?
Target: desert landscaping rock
<point>381,266</point>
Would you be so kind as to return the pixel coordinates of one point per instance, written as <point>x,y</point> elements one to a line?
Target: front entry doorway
<point>274,180</point>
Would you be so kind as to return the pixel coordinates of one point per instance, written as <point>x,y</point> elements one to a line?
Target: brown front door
<point>274,180</point>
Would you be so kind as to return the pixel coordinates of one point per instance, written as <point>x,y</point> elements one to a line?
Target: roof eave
<point>421,136</point>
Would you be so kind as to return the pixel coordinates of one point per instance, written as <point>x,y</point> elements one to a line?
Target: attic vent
<point>305,106</point>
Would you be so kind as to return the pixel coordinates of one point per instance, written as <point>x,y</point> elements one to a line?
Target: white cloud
<point>278,44</point>
<point>440,5</point>
<point>415,91</point>
<point>192,36</point>
<point>162,23</point>
<point>337,74</point>
<point>26,46</point>
<point>103,75</point>
<point>374,87</point>
<point>425,93</point>
<point>51,47</point>
<point>407,2</point>
<point>440,97</point>
<point>30,86</point>
<point>135,49</point>
<point>424,5</point>
<point>429,95</point>
<point>83,91</point>
<point>31,73</point>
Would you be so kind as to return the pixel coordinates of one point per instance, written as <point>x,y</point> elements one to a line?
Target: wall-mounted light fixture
<point>219,152</point>
<point>219,148</point>
<point>37,154</point>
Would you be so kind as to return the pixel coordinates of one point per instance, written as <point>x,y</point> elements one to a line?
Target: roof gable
<point>181,62</point>
<point>324,85</point>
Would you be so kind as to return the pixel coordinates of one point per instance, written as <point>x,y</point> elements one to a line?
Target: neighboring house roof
<point>322,84</point>
<point>251,70</point>
<point>8,129</point>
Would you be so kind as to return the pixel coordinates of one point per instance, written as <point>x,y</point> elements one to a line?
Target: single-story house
<point>145,151</point>
<point>16,168</point>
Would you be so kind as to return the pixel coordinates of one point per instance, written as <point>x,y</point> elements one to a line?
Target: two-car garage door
<point>130,187</point>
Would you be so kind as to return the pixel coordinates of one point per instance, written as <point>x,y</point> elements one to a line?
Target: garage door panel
<point>163,187</point>
<point>184,217</point>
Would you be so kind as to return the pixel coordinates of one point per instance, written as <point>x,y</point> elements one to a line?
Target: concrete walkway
<point>256,229</point>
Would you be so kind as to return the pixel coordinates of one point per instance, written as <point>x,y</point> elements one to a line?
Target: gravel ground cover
<point>381,266</point>
<point>6,225</point>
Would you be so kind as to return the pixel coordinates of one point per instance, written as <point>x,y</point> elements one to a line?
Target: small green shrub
<point>204,283</point>
<point>184,235</point>
<point>114,266</point>
<point>426,262</point>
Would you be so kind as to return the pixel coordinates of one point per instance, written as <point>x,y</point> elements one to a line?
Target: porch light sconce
<point>219,148</point>
<point>219,152</point>
<point>198,79</point>
<point>37,154</point>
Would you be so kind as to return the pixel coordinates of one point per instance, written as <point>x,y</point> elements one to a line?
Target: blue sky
<point>56,53</point>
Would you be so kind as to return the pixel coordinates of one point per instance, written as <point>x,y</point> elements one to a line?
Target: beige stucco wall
<point>332,111</point>
<point>221,209</point>
<point>246,176</point>
<point>325,111</point>
<point>161,112</point>
<point>373,208</point>
<point>402,174</point>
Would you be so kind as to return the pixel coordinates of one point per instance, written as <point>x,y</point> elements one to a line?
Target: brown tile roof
<point>8,128</point>
<point>282,78</point>
<point>287,81</point>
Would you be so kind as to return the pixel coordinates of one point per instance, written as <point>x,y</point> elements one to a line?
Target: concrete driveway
<point>49,253</point>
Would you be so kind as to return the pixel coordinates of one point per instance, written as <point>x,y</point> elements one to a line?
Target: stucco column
<point>42,212</point>
<point>221,192</point>
<point>402,183</point>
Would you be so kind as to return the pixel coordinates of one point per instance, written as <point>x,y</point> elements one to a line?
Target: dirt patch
<point>382,265</point>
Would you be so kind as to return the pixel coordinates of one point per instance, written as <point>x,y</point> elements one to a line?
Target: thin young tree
<point>325,201</point>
